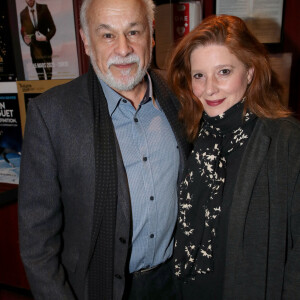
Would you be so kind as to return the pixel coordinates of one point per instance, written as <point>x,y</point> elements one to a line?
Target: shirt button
<point>151,235</point>
<point>122,240</point>
<point>144,158</point>
<point>151,198</point>
<point>136,120</point>
<point>124,100</point>
<point>118,276</point>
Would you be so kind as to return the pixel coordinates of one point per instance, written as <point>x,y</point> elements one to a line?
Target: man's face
<point>30,2</point>
<point>119,42</point>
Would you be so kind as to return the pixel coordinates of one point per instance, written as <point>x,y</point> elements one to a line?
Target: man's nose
<point>123,47</point>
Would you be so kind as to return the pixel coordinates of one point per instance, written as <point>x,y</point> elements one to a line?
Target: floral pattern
<point>200,195</point>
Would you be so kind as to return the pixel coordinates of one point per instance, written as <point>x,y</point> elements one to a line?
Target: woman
<point>238,231</point>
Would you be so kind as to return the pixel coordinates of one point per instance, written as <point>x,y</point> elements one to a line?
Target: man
<point>37,29</point>
<point>101,159</point>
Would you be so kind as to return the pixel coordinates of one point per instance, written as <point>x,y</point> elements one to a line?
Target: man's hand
<point>40,37</point>
<point>27,39</point>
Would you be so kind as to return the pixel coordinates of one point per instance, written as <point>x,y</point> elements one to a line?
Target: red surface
<point>7,186</point>
<point>8,294</point>
<point>11,268</point>
<point>291,43</point>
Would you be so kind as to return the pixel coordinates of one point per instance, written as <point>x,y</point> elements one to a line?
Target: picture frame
<point>63,61</point>
<point>30,89</point>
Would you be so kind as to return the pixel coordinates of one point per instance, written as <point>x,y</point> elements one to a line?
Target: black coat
<point>263,242</point>
<point>57,190</point>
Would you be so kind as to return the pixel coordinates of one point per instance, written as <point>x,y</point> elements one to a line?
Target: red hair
<point>264,93</point>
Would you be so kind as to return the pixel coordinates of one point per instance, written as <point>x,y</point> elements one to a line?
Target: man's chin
<point>123,83</point>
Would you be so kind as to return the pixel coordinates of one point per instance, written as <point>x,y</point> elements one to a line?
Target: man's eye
<point>225,72</point>
<point>108,35</point>
<point>133,32</point>
<point>198,76</point>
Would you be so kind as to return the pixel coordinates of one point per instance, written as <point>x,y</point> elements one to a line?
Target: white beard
<point>126,83</point>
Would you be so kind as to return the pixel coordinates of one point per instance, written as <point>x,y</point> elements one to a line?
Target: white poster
<point>263,17</point>
<point>47,39</point>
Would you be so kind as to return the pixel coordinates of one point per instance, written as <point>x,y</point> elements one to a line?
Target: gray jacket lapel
<point>123,188</point>
<point>255,151</point>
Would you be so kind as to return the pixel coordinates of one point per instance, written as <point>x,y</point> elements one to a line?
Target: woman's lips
<point>214,102</point>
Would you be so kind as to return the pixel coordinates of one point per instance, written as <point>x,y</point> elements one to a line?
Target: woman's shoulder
<point>281,126</point>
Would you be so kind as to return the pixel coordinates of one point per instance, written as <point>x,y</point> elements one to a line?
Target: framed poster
<point>7,61</point>
<point>10,133</point>
<point>263,17</point>
<point>84,60</point>
<point>30,89</point>
<point>47,36</point>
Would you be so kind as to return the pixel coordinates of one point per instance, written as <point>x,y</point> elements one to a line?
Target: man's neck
<point>33,7</point>
<point>135,96</point>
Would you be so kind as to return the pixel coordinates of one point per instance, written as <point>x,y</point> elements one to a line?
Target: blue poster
<point>10,138</point>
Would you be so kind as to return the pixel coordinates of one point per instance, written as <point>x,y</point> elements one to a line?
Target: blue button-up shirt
<point>151,159</point>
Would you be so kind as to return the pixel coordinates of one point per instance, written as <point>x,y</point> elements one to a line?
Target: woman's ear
<point>250,75</point>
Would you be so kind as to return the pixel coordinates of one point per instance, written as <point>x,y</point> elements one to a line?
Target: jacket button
<point>118,276</point>
<point>122,240</point>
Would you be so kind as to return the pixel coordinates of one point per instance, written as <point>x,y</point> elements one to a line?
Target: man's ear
<point>85,42</point>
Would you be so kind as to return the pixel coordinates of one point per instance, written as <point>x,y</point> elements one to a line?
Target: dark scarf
<point>100,280</point>
<point>201,192</point>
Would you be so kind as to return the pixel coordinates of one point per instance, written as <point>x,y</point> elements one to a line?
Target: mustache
<point>117,60</point>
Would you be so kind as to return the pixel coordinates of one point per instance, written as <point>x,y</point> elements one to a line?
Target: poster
<point>263,17</point>
<point>7,63</point>
<point>30,89</point>
<point>10,133</point>
<point>47,36</point>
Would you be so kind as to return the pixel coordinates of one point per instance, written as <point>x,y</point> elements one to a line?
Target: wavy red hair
<point>264,93</point>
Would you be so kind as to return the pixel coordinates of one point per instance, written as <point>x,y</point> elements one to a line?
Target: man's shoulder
<point>24,11</point>
<point>157,75</point>
<point>39,5</point>
<point>70,92</point>
<point>161,88</point>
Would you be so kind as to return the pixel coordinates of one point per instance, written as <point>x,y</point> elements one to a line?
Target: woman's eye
<point>225,72</point>
<point>198,75</point>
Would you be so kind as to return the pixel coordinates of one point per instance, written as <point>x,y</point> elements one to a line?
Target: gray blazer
<point>263,243</point>
<point>57,189</point>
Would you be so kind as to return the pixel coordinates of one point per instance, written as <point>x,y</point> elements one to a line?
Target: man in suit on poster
<point>37,29</point>
<point>101,159</point>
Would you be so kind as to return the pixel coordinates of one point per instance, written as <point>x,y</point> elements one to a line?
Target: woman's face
<point>219,78</point>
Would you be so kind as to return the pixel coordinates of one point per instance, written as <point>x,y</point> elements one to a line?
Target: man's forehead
<point>109,16</point>
<point>117,6</point>
<point>114,26</point>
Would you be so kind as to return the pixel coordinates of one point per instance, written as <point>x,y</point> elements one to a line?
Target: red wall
<point>291,43</point>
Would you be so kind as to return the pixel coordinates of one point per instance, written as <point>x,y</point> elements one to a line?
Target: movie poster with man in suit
<point>47,39</point>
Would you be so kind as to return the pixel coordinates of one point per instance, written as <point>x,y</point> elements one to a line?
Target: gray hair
<point>150,7</point>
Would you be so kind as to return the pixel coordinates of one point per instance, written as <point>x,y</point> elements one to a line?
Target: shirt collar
<point>113,98</point>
